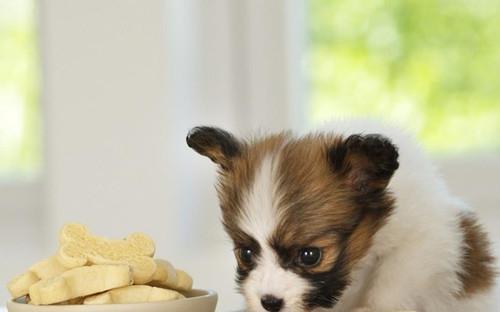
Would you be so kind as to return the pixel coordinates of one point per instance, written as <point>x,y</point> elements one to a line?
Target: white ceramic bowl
<point>197,301</point>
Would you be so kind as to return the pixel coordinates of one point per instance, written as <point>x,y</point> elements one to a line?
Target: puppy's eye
<point>245,255</point>
<point>309,257</point>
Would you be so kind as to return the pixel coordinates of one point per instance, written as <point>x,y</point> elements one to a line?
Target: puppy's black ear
<point>218,145</point>
<point>367,162</point>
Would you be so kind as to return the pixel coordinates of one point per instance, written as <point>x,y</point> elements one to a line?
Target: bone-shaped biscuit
<point>20,285</point>
<point>79,248</point>
<point>80,282</point>
<point>184,281</point>
<point>166,276</point>
<point>134,294</point>
<point>47,268</point>
<point>165,273</point>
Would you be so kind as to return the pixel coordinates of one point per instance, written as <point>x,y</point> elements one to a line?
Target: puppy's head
<point>300,211</point>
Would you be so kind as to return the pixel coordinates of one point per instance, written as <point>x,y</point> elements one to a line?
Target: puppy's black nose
<point>271,303</point>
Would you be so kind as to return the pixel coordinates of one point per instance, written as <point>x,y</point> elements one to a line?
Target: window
<point>429,64</point>
<point>19,116</point>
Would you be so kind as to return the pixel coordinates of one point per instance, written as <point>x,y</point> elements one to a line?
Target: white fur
<point>269,278</point>
<point>259,213</point>
<point>414,258</point>
<point>413,262</point>
<point>259,219</point>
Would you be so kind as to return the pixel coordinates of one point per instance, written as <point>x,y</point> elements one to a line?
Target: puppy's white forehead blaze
<point>260,214</point>
<point>259,217</point>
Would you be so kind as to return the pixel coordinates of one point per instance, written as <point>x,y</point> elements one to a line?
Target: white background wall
<point>123,81</point>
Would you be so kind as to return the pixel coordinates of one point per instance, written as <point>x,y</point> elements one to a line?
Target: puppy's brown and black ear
<point>218,145</point>
<point>367,162</point>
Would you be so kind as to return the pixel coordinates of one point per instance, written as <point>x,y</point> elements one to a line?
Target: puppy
<point>345,220</point>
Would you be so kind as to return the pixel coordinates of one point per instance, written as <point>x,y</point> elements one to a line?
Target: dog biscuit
<point>165,273</point>
<point>20,285</point>
<point>80,282</point>
<point>48,268</point>
<point>79,248</point>
<point>184,281</point>
<point>134,294</point>
<point>166,276</point>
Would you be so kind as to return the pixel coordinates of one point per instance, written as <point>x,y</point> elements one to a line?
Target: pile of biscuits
<point>89,269</point>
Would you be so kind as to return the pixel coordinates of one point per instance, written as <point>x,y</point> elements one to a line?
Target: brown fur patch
<point>478,272</point>
<point>329,246</point>
<point>361,239</point>
<point>320,207</point>
<point>313,203</point>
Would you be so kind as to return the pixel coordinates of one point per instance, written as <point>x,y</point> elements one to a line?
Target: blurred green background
<point>19,114</point>
<point>431,65</point>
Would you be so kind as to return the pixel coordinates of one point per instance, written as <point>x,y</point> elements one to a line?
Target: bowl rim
<point>206,293</point>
